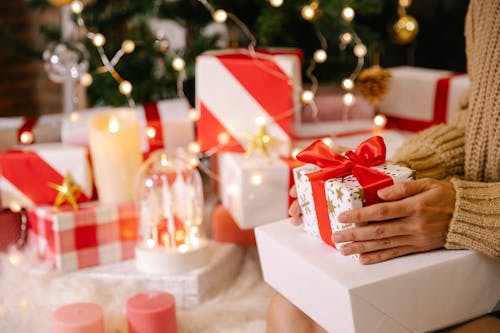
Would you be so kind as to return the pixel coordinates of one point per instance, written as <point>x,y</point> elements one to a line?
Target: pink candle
<point>151,312</point>
<point>78,318</point>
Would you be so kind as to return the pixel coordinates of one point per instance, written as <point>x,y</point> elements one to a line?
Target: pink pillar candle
<point>151,312</point>
<point>78,318</point>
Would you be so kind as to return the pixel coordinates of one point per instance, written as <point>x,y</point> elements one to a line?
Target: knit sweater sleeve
<point>437,152</point>
<point>476,221</point>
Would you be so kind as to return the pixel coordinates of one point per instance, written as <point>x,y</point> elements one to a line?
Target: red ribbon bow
<point>369,153</point>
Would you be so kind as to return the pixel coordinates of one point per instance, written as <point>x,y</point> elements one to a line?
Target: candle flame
<point>114,124</point>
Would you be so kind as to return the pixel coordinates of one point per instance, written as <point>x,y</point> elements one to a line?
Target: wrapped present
<point>335,183</point>
<point>165,124</point>
<point>94,234</point>
<point>28,130</point>
<point>407,294</point>
<point>250,184</point>
<point>421,97</point>
<point>236,89</point>
<point>30,176</point>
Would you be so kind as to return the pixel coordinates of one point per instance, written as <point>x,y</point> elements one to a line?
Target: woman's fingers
<point>373,231</point>
<point>382,255</point>
<point>375,245</point>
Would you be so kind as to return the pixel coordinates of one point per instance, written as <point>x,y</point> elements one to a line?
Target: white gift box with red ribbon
<point>418,98</point>
<point>25,174</point>
<point>45,128</point>
<point>162,125</point>
<point>93,235</point>
<point>236,89</point>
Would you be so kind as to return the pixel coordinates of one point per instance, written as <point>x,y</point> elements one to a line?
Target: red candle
<point>151,312</point>
<point>78,318</point>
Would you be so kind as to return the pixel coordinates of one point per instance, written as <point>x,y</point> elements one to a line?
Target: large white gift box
<point>236,88</point>
<point>416,293</point>
<point>255,189</point>
<point>162,125</point>
<point>421,97</point>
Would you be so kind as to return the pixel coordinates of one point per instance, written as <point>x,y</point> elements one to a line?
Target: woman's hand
<point>415,218</point>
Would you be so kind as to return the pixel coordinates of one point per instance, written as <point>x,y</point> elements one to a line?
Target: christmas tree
<point>305,24</point>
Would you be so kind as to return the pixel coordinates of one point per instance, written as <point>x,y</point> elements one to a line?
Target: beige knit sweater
<point>468,149</point>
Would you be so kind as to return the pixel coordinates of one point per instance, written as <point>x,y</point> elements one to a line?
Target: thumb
<point>403,190</point>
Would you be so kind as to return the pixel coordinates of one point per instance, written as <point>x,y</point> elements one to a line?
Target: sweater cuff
<point>436,153</point>
<point>476,221</point>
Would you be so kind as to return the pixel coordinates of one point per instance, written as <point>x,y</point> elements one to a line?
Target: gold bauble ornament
<point>60,3</point>
<point>373,83</point>
<point>405,29</point>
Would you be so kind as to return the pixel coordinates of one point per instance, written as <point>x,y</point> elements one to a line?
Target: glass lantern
<point>169,195</point>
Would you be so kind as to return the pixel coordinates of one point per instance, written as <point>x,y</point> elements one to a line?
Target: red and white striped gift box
<point>164,124</point>
<point>420,97</point>
<point>93,235</point>
<point>234,88</point>
<point>25,174</point>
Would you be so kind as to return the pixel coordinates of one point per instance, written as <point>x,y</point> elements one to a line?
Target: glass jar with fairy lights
<point>169,196</point>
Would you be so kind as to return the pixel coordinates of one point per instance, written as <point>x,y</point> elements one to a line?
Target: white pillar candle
<point>116,154</point>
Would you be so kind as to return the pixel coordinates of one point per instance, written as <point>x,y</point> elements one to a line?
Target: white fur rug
<point>30,292</point>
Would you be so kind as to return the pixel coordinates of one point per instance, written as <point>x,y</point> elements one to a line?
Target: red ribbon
<point>153,121</point>
<point>369,153</point>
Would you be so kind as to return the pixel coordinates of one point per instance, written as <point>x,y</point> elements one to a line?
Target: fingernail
<point>346,249</point>
<point>337,237</point>
<point>343,217</point>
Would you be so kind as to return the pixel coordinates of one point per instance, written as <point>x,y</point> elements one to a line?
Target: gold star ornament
<point>259,142</point>
<point>67,192</point>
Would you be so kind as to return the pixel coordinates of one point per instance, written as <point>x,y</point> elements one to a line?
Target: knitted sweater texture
<point>467,150</point>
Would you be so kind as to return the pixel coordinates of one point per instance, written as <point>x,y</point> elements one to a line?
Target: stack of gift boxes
<point>69,224</point>
<point>247,105</point>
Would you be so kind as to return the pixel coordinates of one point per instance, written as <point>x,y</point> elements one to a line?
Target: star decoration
<point>259,142</point>
<point>68,192</point>
<point>340,195</point>
<point>331,207</point>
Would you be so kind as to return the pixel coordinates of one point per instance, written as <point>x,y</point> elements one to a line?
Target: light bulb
<point>223,138</point>
<point>308,12</point>
<point>193,114</point>
<point>113,124</point>
<point>26,138</point>
<point>99,40</point>
<point>347,84</point>
<point>86,79</point>
<point>77,7</point>
<point>380,120</point>
<point>194,147</point>
<point>15,206</point>
<point>178,64</point>
<point>220,16</point>
<point>307,96</point>
<point>295,152</point>
<point>276,3</point>
<point>150,243</point>
<point>405,3</point>
<point>151,132</point>
<point>128,46</point>
<point>348,14</point>
<point>348,99</point>
<point>125,87</point>
<point>360,50</point>
<point>149,183</point>
<point>14,258</point>
<point>327,141</point>
<point>256,179</point>
<point>164,160</point>
<point>346,38</point>
<point>194,162</point>
<point>320,56</point>
<point>259,121</point>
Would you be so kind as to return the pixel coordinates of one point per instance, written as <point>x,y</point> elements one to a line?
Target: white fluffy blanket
<point>30,292</point>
